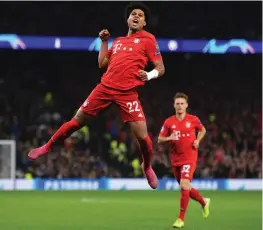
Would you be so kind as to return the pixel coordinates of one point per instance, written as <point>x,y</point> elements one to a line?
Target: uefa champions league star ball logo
<point>85,104</point>
<point>136,40</point>
<point>157,46</point>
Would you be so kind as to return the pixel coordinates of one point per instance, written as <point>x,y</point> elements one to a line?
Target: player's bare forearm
<point>159,66</point>
<point>102,59</point>
<point>155,73</point>
<point>163,139</point>
<point>201,134</point>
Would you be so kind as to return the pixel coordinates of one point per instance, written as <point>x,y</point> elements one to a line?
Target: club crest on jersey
<point>136,40</point>
<point>173,127</point>
<point>188,124</point>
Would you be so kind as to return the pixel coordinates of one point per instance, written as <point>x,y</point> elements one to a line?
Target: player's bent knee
<point>139,129</point>
<point>141,137</point>
<point>82,117</point>
<point>185,184</point>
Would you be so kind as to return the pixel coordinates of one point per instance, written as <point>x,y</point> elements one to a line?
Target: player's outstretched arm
<point>103,60</point>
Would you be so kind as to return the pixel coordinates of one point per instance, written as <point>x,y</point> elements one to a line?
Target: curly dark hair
<point>137,5</point>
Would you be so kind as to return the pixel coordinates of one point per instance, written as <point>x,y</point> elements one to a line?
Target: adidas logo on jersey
<point>173,127</point>
<point>140,115</point>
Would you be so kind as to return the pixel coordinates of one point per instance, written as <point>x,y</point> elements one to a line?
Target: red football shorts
<point>185,171</point>
<point>127,100</point>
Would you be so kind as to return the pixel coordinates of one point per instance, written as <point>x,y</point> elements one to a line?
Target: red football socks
<point>146,151</point>
<point>184,201</point>
<point>195,195</point>
<point>63,132</point>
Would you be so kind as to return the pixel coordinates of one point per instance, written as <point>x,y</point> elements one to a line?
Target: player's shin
<point>146,151</point>
<point>195,195</point>
<point>63,132</point>
<point>184,201</point>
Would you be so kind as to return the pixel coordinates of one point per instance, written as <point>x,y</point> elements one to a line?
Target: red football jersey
<point>127,56</point>
<point>181,149</point>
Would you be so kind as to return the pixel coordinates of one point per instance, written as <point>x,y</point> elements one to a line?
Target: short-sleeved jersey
<point>181,149</point>
<point>127,56</point>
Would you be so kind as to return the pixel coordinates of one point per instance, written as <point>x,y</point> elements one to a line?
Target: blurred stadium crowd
<point>221,20</point>
<point>46,88</point>
<point>39,90</point>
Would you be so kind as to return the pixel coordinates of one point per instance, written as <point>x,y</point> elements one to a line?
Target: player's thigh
<point>139,129</point>
<point>132,113</point>
<point>82,117</point>
<point>131,109</point>
<point>177,173</point>
<point>187,171</point>
<point>96,101</point>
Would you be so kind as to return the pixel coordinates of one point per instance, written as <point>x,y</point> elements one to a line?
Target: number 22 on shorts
<point>133,106</point>
<point>186,169</point>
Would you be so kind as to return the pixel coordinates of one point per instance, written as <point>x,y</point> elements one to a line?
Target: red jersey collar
<point>186,115</point>
<point>135,34</point>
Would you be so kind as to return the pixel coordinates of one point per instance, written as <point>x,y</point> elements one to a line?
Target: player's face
<point>180,105</point>
<point>136,20</point>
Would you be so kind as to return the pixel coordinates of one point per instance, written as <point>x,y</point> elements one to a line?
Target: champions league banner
<point>92,44</point>
<point>127,184</point>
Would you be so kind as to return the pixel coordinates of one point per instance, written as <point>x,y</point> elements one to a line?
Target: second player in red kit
<point>180,131</point>
<point>183,153</point>
<point>124,63</point>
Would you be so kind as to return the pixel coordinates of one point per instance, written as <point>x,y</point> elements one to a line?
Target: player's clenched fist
<point>143,75</point>
<point>147,76</point>
<point>104,35</point>
<point>173,136</point>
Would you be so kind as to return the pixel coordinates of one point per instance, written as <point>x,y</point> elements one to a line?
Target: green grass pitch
<point>125,210</point>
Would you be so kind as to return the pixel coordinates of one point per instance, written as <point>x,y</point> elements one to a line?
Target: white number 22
<point>133,106</point>
<point>186,169</point>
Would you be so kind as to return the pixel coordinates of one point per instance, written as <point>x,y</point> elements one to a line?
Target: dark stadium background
<point>39,90</point>
<point>228,86</point>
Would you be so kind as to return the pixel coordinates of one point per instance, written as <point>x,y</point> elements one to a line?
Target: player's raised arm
<point>103,59</point>
<point>154,55</point>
